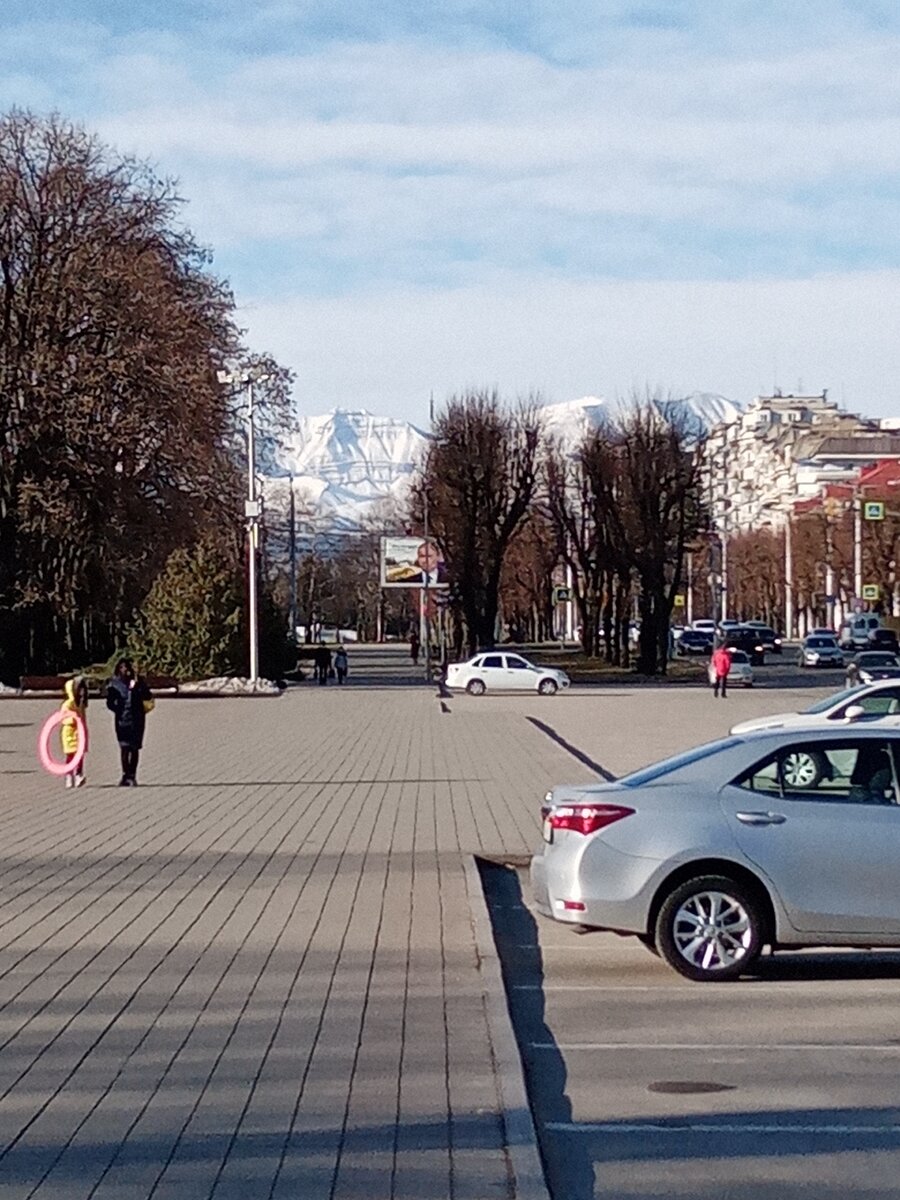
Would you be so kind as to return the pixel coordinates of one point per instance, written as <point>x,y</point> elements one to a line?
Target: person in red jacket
<point>720,665</point>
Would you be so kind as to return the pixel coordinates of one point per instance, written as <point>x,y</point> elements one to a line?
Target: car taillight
<point>584,818</point>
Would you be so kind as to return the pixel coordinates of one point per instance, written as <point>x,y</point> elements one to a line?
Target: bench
<point>57,683</point>
<point>43,683</point>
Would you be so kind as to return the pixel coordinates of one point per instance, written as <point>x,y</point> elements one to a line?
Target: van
<point>855,630</point>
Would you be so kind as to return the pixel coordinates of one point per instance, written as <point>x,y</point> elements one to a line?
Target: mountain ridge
<point>344,462</point>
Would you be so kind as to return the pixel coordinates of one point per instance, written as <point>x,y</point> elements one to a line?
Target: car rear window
<point>677,762</point>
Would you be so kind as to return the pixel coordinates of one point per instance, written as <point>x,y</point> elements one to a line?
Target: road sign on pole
<point>870,591</point>
<point>873,510</point>
<point>562,595</point>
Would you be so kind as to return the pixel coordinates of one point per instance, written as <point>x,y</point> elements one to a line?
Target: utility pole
<point>425,622</point>
<point>292,605</point>
<point>252,511</point>
<point>857,549</point>
<point>788,579</point>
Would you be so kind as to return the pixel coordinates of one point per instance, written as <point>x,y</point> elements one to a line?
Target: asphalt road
<point>785,1085</point>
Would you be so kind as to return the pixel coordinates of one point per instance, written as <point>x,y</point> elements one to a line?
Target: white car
<point>495,671</point>
<point>705,625</point>
<point>867,702</point>
<point>741,672</point>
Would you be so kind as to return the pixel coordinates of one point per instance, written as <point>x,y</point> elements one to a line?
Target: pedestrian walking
<point>75,703</point>
<point>341,665</point>
<point>720,665</point>
<point>323,663</point>
<point>852,675</point>
<point>414,648</point>
<point>129,700</point>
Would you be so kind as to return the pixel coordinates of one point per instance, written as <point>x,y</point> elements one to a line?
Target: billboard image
<point>411,562</point>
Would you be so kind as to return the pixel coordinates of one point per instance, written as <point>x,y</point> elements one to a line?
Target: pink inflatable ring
<point>47,761</point>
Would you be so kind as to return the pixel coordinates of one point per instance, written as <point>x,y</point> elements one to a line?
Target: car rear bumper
<point>613,889</point>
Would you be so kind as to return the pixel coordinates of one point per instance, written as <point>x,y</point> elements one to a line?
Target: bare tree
<point>480,477</point>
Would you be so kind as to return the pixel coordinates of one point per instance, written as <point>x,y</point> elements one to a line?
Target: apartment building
<point>784,448</point>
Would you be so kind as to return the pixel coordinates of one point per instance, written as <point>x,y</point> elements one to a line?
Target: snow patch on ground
<point>228,685</point>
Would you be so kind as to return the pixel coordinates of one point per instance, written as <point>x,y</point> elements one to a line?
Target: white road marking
<point>682,1127</point>
<point>708,1047</point>
<point>709,989</point>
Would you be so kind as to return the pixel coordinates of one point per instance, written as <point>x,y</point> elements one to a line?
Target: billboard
<point>412,562</point>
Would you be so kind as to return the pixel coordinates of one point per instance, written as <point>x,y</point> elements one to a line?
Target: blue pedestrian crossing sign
<point>562,595</point>
<point>873,510</point>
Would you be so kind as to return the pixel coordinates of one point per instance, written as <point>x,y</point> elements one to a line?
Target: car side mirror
<point>854,712</point>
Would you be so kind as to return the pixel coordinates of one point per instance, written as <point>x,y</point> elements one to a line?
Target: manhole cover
<point>686,1086</point>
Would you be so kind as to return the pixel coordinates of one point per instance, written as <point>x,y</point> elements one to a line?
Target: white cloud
<point>389,350</point>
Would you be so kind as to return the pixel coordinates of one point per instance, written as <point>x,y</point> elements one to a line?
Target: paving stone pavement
<point>255,975</point>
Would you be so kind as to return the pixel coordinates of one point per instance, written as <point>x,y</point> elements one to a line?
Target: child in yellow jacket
<point>76,701</point>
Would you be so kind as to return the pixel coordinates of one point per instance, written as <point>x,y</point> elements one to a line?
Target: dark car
<point>882,639</point>
<point>745,638</point>
<point>769,638</point>
<point>694,641</point>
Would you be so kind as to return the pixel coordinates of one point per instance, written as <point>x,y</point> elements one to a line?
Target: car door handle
<point>761,818</point>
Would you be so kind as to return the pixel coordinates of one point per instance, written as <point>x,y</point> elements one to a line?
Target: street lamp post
<point>252,510</point>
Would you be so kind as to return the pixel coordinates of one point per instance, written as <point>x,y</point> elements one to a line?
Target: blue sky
<point>569,196</point>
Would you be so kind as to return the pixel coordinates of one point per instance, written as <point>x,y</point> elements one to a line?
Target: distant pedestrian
<point>75,703</point>
<point>129,700</point>
<point>852,675</point>
<point>414,648</point>
<point>323,664</point>
<point>720,665</point>
<point>340,664</point>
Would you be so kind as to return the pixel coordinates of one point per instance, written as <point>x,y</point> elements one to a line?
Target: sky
<point>560,197</point>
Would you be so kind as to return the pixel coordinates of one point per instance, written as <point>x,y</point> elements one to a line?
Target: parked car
<point>741,672</point>
<point>495,672</point>
<point>694,642</point>
<point>709,856</point>
<point>705,625</point>
<point>855,630</point>
<point>817,650</point>
<point>865,702</point>
<point>883,639</point>
<point>877,664</point>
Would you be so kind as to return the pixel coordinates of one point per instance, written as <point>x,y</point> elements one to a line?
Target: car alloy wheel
<point>801,769</point>
<point>475,687</point>
<point>710,929</point>
<point>547,687</point>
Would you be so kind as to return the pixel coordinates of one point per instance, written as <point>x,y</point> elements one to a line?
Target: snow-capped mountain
<point>343,463</point>
<point>346,461</point>
<point>570,420</point>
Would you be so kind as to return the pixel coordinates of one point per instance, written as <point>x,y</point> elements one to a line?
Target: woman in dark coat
<point>129,700</point>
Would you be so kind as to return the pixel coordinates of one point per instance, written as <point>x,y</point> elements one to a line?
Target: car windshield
<point>668,765</point>
<point>834,700</point>
<point>877,658</point>
<point>819,643</point>
<point>738,656</point>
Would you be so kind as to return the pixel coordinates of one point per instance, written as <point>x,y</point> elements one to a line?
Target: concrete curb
<point>521,1139</point>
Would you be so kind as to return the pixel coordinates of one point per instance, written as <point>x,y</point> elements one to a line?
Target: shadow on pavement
<point>568,1167</point>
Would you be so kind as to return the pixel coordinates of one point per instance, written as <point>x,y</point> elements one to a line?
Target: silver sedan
<point>709,856</point>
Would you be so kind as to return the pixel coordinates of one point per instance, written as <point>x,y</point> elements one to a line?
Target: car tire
<point>547,687</point>
<point>802,769</point>
<point>733,917</point>
<point>475,687</point>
